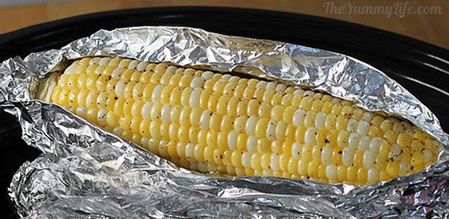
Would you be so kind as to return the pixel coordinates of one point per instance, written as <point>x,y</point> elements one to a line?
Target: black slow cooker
<point>420,67</point>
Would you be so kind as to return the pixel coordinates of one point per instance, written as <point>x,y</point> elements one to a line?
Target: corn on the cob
<point>224,124</point>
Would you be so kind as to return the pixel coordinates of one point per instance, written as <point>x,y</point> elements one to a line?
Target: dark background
<point>418,66</point>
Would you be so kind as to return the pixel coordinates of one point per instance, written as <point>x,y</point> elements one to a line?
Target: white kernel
<point>81,112</point>
<point>207,75</point>
<point>94,60</point>
<point>197,82</point>
<point>363,127</point>
<point>250,127</point>
<point>364,143</point>
<point>326,155</point>
<point>117,72</point>
<point>142,65</point>
<point>348,156</point>
<point>117,130</point>
<point>367,116</point>
<point>102,98</point>
<point>353,140</point>
<point>261,84</point>
<point>195,98</point>
<point>298,92</point>
<point>310,136</point>
<point>281,126</point>
<point>395,152</point>
<point>144,141</point>
<point>104,61</point>
<point>271,130</point>
<point>404,168</point>
<point>308,93</point>
<point>375,144</point>
<point>320,119</point>
<point>171,69</point>
<point>71,69</point>
<point>331,171</point>
<point>232,140</point>
<point>274,164</point>
<point>267,172</point>
<point>190,151</point>
<point>251,143</point>
<point>352,125</point>
<point>101,117</point>
<point>146,110</point>
<point>204,120</point>
<point>133,64</point>
<point>296,149</point>
<point>271,86</point>
<point>165,113</point>
<point>368,159</point>
<point>373,175</point>
<point>246,159</point>
<point>427,156</point>
<point>157,93</point>
<point>120,89</point>
<point>298,117</point>
<point>280,88</point>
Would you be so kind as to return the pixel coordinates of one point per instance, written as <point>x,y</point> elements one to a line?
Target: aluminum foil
<point>86,172</point>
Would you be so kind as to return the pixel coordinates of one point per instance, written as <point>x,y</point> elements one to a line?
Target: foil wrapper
<point>87,172</point>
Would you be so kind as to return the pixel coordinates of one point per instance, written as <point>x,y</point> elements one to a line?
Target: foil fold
<point>86,172</point>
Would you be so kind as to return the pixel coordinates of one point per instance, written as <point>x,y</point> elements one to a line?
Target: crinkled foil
<point>86,172</point>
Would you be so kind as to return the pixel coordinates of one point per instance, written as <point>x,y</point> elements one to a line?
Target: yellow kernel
<point>277,112</point>
<point>287,147</point>
<point>306,103</point>
<point>288,114</point>
<point>386,125</point>
<point>236,158</point>
<point>193,134</point>
<point>241,142</point>
<point>213,100</point>
<point>374,131</point>
<point>358,158</point>
<point>300,133</point>
<point>276,99</point>
<point>342,139</point>
<point>312,169</point>
<point>417,158</point>
<point>253,107</point>
<point>202,138</point>
<point>222,104</point>
<point>199,153</point>
<point>276,147</point>
<point>256,161</point>
<point>302,167</point>
<point>393,169</point>
<point>327,107</point>
<point>404,140</point>
<point>212,139</point>
<point>263,145</point>
<point>261,127</point>
<point>155,130</point>
<point>265,160</point>
<point>341,123</point>
<point>351,173</point>
<point>341,173</point>
<point>391,136</point>
<point>144,127</point>
<point>362,175</point>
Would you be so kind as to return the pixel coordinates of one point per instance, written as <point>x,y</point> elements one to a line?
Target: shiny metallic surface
<point>85,171</point>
